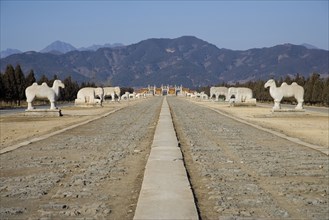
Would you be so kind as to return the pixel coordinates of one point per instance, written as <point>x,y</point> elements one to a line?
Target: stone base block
<point>43,112</point>
<point>248,102</point>
<point>288,110</point>
<point>87,105</point>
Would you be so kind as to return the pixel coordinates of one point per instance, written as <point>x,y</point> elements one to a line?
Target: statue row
<point>241,94</point>
<point>92,96</point>
<point>233,94</point>
<point>95,96</point>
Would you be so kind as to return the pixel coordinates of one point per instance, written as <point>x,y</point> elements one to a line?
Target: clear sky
<point>238,25</point>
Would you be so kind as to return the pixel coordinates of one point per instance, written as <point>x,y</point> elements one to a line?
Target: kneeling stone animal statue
<point>90,96</point>
<point>285,90</point>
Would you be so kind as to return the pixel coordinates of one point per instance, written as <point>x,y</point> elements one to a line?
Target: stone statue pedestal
<point>247,103</point>
<point>288,110</point>
<point>43,112</point>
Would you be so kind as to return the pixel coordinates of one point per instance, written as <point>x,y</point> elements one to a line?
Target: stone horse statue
<point>285,90</point>
<point>43,91</point>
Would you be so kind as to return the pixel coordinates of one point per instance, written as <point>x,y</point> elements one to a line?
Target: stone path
<point>166,191</point>
<point>93,171</point>
<point>238,171</point>
<point>42,137</point>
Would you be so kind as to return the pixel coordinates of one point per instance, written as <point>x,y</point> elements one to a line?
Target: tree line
<point>13,83</point>
<point>316,89</point>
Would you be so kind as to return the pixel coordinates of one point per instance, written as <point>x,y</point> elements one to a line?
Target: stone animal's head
<point>117,90</point>
<point>99,92</point>
<point>59,84</point>
<point>269,83</point>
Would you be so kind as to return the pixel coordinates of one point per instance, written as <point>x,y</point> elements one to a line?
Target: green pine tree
<point>9,81</point>
<point>30,79</point>
<point>325,92</point>
<point>20,84</point>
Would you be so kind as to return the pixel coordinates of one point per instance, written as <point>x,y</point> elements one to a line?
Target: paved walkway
<point>166,191</point>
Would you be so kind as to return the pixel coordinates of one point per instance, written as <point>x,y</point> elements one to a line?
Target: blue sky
<point>238,25</point>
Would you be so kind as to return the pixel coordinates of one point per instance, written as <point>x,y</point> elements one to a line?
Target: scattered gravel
<point>92,171</point>
<point>238,171</point>
<point>95,171</point>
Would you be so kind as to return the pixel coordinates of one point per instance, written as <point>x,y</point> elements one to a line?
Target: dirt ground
<point>238,171</point>
<point>93,171</point>
<point>256,177</point>
<point>19,127</point>
<point>310,127</point>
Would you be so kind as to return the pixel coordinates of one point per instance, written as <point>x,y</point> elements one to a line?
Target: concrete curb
<point>166,192</point>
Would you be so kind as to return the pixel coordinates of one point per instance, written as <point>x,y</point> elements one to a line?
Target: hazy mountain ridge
<point>186,60</point>
<point>59,47</point>
<point>8,52</point>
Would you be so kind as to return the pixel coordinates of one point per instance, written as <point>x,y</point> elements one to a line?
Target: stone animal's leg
<point>277,104</point>
<point>299,105</point>
<point>52,105</point>
<point>29,103</point>
<point>300,101</point>
<point>29,106</point>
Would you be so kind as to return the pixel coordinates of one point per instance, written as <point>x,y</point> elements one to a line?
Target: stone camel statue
<point>43,91</point>
<point>285,90</point>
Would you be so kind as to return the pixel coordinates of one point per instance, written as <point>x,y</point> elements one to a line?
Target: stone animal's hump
<point>284,84</point>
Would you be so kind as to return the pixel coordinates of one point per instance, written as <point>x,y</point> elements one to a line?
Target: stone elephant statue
<point>112,91</point>
<point>239,94</point>
<point>90,96</point>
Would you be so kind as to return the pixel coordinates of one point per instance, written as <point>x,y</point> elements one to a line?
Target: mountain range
<point>186,60</point>
<point>59,47</point>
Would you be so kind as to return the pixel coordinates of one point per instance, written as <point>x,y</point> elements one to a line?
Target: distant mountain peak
<point>58,47</point>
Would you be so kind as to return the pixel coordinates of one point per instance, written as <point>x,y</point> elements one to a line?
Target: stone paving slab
<point>166,192</point>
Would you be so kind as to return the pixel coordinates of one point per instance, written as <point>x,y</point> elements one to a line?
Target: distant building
<point>165,90</point>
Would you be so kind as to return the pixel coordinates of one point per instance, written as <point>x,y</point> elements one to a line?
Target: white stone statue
<point>285,90</point>
<point>125,96</point>
<point>140,95</point>
<point>203,96</point>
<point>240,94</point>
<point>43,91</point>
<point>112,91</point>
<point>90,96</point>
<point>132,95</point>
<point>217,91</point>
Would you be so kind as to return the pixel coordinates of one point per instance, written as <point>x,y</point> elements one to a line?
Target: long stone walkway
<point>166,191</point>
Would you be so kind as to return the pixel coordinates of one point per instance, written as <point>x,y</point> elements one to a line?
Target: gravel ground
<point>238,171</point>
<point>95,171</point>
<point>92,171</point>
